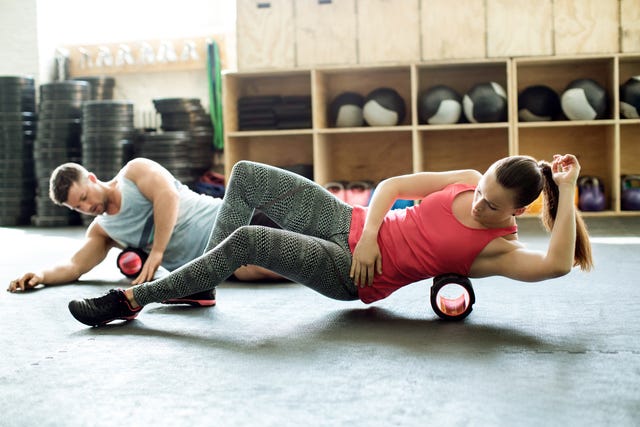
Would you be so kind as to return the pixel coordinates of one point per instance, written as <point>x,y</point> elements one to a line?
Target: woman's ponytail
<point>551,193</point>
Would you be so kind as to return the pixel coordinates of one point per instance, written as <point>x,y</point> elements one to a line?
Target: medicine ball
<point>346,110</point>
<point>538,103</point>
<point>584,99</point>
<point>591,194</point>
<point>439,105</point>
<point>630,98</point>
<point>630,196</point>
<point>384,107</point>
<point>485,102</point>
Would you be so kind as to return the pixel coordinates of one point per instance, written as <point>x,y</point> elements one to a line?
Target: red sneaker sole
<point>195,303</point>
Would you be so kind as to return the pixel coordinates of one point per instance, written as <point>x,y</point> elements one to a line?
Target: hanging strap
<point>147,230</point>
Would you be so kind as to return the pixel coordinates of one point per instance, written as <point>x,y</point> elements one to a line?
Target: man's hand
<point>26,282</point>
<point>151,265</point>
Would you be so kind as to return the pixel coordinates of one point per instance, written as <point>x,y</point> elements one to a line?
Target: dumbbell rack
<point>606,148</point>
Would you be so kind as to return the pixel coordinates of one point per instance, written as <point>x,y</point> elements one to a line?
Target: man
<point>144,206</point>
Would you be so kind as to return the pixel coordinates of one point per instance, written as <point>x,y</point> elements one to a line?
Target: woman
<point>465,224</point>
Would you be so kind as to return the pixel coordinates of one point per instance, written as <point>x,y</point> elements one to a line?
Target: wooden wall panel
<point>630,25</point>
<point>452,30</point>
<point>326,32</point>
<point>586,26</point>
<point>265,34</point>
<point>388,31</point>
<point>519,28</point>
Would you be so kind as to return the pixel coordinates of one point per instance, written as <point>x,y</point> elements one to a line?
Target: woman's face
<point>492,203</point>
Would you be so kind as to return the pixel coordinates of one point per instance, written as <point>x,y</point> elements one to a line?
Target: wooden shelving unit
<point>606,148</point>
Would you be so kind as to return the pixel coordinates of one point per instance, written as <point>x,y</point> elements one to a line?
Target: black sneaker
<point>201,299</point>
<point>102,310</point>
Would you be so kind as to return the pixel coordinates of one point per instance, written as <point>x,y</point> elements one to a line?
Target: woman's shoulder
<point>502,245</point>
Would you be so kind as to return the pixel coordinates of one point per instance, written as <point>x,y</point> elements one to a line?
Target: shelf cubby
<point>278,149</point>
<point>362,155</point>
<point>331,82</point>
<point>461,76</point>
<point>593,145</point>
<point>558,72</point>
<point>447,148</point>
<point>630,148</point>
<point>237,86</point>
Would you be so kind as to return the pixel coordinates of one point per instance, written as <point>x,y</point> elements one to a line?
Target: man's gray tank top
<point>133,224</point>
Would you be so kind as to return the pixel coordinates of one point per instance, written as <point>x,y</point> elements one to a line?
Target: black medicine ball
<point>485,103</point>
<point>630,98</point>
<point>384,107</point>
<point>538,103</point>
<point>439,105</point>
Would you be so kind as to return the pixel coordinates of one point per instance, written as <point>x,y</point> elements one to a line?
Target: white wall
<point>18,38</point>
<point>77,22</point>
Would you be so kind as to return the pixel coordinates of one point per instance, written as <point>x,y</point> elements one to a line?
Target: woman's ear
<point>519,211</point>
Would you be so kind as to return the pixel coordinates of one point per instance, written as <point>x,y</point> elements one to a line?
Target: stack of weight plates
<point>107,136</point>
<point>187,115</point>
<point>17,131</point>
<point>101,87</point>
<point>171,150</point>
<point>182,114</point>
<point>57,142</point>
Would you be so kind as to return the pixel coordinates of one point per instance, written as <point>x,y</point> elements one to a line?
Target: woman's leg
<point>290,200</point>
<point>320,264</point>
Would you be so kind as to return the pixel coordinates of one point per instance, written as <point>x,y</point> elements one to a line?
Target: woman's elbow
<point>559,271</point>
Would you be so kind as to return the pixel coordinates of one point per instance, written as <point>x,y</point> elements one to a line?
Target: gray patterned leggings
<point>312,247</point>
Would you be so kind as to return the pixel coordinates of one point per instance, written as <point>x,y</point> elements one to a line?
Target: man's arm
<point>157,185</point>
<point>94,250</point>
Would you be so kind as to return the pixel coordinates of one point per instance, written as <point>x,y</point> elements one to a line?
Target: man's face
<point>87,197</point>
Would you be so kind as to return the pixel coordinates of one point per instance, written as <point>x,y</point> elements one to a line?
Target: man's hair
<point>62,178</point>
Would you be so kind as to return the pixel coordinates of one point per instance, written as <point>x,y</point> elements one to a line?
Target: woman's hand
<point>366,261</point>
<point>566,169</point>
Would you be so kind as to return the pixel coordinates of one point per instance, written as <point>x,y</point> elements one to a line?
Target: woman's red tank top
<point>423,241</point>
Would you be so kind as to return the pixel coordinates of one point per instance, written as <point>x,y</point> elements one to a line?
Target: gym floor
<point>564,352</point>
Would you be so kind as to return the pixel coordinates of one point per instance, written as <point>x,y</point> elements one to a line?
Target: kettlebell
<point>630,195</point>
<point>130,261</point>
<point>591,194</point>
